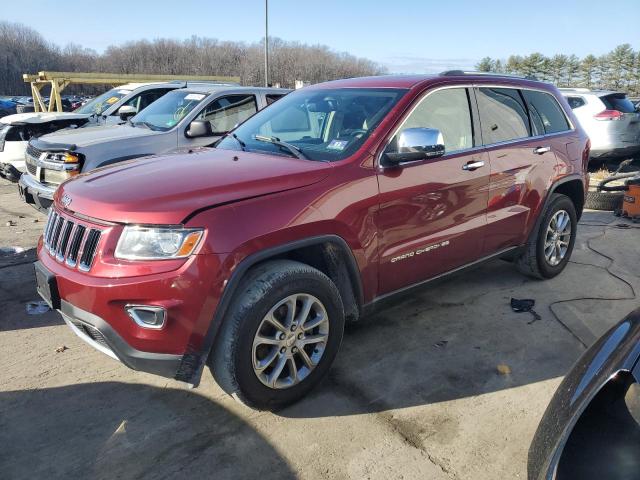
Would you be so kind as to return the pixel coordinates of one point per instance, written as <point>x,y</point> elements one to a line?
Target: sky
<point>406,36</point>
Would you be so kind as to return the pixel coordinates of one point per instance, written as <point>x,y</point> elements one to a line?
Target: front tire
<point>548,250</point>
<point>281,335</point>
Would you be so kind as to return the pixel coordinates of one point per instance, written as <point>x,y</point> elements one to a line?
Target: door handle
<point>541,150</point>
<point>473,165</point>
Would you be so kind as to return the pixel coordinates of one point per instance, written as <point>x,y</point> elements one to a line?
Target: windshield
<point>325,125</point>
<point>99,104</point>
<point>166,112</point>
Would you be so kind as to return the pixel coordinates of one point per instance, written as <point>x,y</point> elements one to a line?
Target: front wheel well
<point>573,189</point>
<point>335,261</point>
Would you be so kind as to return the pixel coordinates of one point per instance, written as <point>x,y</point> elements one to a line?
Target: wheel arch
<point>328,253</point>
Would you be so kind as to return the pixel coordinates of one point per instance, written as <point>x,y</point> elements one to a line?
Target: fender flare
<point>554,186</point>
<point>193,363</point>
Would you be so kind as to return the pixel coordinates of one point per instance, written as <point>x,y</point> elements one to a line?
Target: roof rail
<point>457,73</point>
<point>575,89</point>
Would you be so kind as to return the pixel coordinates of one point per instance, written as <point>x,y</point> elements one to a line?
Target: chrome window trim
<point>479,147</point>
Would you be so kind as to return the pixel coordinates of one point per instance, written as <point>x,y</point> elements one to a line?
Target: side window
<point>576,102</point>
<point>226,112</point>
<point>502,114</point>
<point>546,115</point>
<point>273,97</point>
<point>448,111</point>
<point>144,99</point>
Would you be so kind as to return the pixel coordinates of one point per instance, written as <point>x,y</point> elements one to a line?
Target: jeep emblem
<point>65,201</point>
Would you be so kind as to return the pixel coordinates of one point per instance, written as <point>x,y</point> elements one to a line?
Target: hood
<point>166,189</point>
<point>87,136</point>
<point>41,117</point>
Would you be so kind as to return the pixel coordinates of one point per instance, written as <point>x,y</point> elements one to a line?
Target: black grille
<point>33,151</point>
<point>66,240</point>
<point>93,333</point>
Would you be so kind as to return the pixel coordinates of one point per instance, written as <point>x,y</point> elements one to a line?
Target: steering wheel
<point>355,132</point>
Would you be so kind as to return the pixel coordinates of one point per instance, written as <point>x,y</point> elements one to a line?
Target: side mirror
<point>416,144</point>
<point>127,111</point>
<point>199,128</point>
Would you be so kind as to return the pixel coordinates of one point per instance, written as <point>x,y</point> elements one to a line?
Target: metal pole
<point>266,43</point>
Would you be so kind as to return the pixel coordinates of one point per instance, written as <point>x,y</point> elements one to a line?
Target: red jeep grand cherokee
<point>250,257</point>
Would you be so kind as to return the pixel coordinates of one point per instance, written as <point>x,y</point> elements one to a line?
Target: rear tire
<point>250,348</point>
<point>548,250</point>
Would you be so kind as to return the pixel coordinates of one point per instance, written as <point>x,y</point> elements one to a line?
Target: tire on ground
<point>609,201</point>
<point>532,261</point>
<point>231,360</point>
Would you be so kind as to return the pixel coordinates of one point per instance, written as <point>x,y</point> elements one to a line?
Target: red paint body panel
<point>249,202</point>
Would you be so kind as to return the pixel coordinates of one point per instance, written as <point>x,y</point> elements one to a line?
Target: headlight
<point>157,243</point>
<point>65,157</point>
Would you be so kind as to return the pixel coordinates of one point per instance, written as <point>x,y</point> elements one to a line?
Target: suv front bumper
<point>34,193</point>
<point>99,334</point>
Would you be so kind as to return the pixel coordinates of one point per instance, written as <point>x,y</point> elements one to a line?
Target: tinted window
<point>226,112</point>
<point>142,101</point>
<point>502,114</point>
<point>448,111</point>
<point>576,102</point>
<point>619,102</point>
<point>546,115</point>
<point>272,97</point>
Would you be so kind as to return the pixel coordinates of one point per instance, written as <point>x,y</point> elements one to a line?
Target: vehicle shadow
<point>119,430</point>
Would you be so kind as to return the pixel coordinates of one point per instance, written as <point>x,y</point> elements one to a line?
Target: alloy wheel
<point>557,238</point>
<point>290,341</point>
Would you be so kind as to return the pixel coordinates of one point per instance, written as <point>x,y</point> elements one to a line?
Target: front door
<point>433,212</point>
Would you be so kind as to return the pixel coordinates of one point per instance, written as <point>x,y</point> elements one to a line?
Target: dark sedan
<point>591,428</point>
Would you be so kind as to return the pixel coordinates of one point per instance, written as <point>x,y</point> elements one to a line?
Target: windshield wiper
<point>295,151</point>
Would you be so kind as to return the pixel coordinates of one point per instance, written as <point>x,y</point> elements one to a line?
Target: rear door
<point>432,212</point>
<point>523,162</point>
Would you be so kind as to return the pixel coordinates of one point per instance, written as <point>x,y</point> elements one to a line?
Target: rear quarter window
<point>546,113</point>
<point>576,102</point>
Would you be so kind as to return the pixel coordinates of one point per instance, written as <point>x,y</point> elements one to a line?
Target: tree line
<point>24,50</point>
<point>617,70</point>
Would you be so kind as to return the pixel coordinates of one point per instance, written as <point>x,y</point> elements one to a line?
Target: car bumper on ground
<point>34,193</point>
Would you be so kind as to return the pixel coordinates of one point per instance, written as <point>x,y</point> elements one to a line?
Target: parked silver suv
<point>609,118</point>
<point>195,116</point>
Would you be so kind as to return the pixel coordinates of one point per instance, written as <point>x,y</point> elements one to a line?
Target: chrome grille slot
<point>55,236</point>
<point>89,250</point>
<point>76,242</point>
<point>71,242</point>
<point>64,240</point>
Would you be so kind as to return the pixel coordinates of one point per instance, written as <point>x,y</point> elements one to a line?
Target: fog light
<point>147,316</point>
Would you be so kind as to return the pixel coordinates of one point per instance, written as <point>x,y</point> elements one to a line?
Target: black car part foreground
<point>591,428</point>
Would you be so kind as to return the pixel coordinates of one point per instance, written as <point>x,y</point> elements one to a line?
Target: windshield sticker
<point>194,96</point>
<point>124,92</point>
<point>337,145</point>
<point>112,100</point>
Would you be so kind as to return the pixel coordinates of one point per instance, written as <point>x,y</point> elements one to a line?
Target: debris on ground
<point>525,305</point>
<point>503,369</point>
<point>11,223</point>
<point>37,307</point>
<point>10,250</point>
<point>61,349</point>
<point>441,343</point>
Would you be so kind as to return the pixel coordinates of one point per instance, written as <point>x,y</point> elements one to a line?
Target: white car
<point>17,129</point>
<point>609,118</point>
